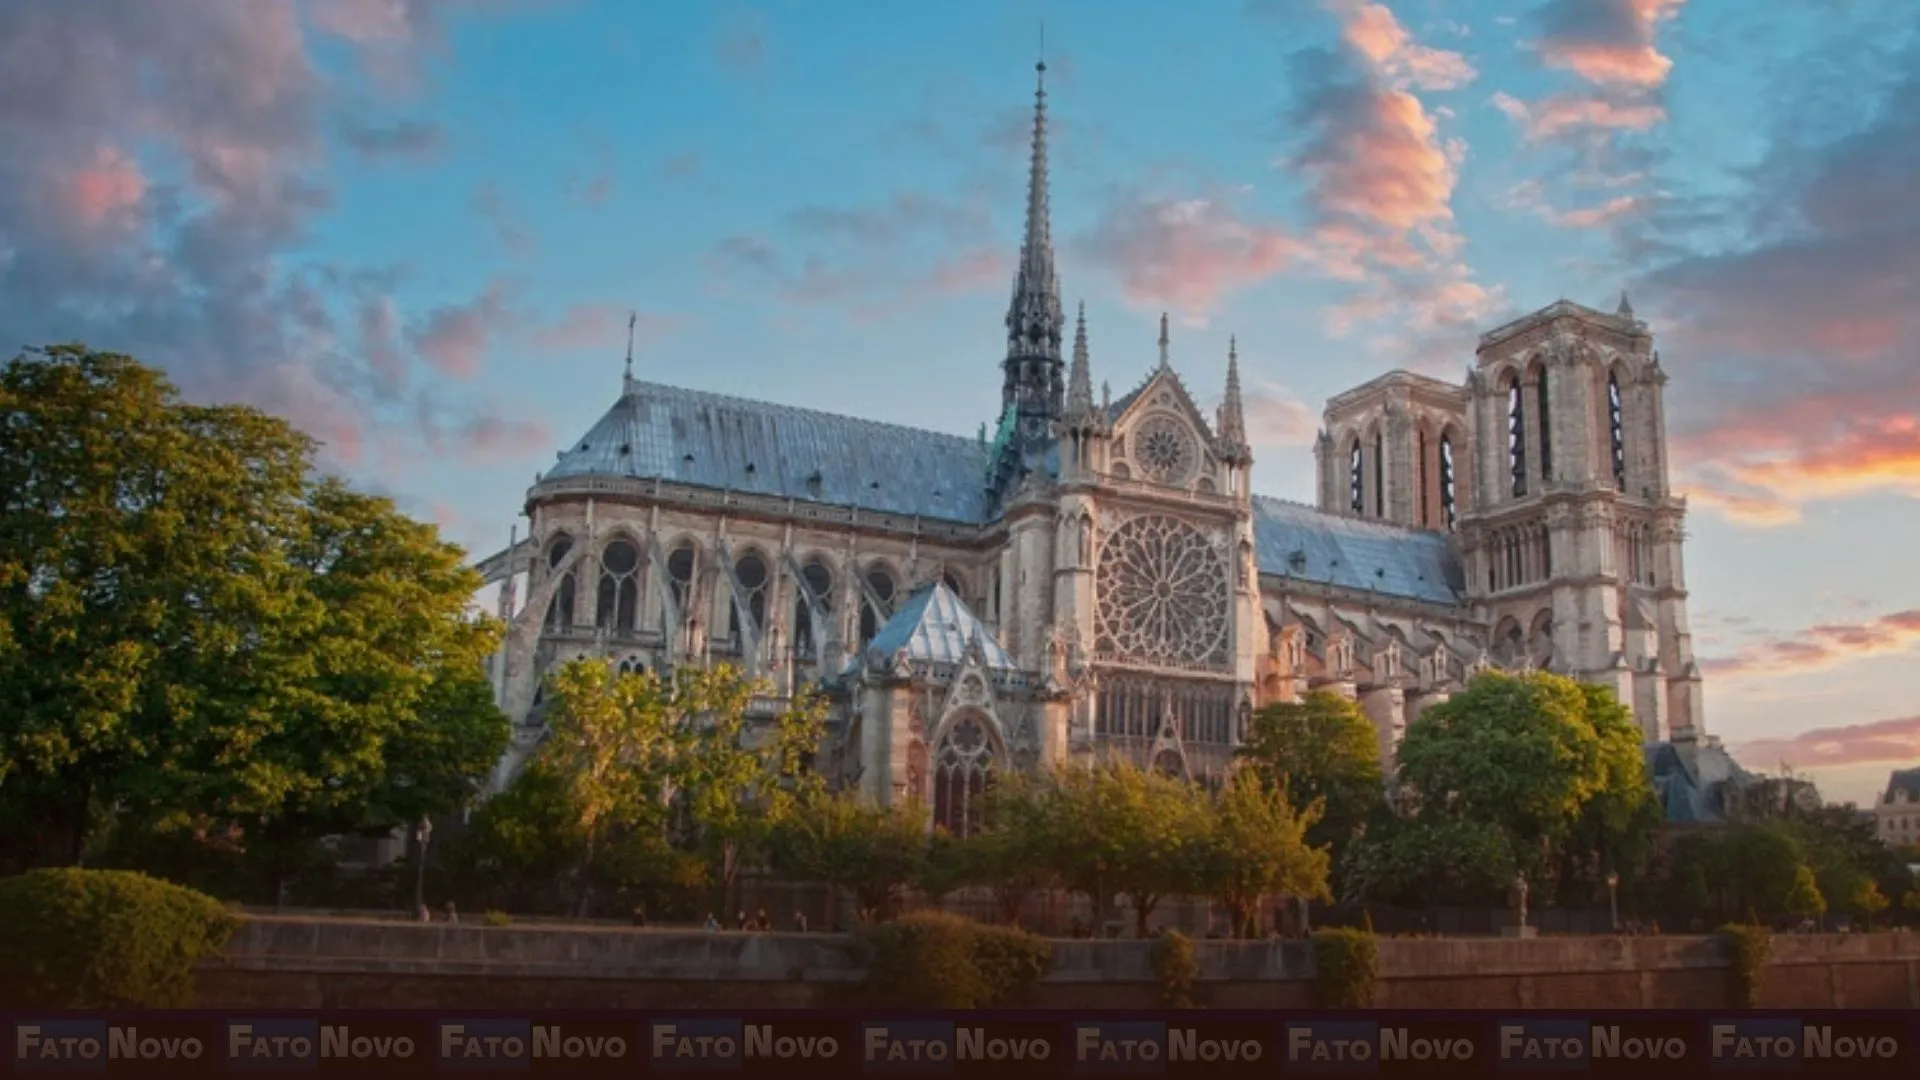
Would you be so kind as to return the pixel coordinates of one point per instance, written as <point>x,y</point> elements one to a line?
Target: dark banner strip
<point>1003,1043</point>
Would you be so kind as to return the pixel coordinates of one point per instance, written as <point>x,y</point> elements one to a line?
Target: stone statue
<point>1517,899</point>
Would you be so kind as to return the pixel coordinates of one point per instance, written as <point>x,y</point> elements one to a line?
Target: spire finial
<point>1080,375</point>
<point>1233,417</point>
<point>1626,308</point>
<point>633,319</point>
<point>1165,359</point>
<point>1034,316</point>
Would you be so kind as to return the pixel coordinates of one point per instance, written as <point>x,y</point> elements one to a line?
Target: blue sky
<point>417,226</point>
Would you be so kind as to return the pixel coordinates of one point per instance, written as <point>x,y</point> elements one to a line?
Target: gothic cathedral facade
<point>1092,576</point>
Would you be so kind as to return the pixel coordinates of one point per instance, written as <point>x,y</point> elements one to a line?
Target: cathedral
<point>1091,574</point>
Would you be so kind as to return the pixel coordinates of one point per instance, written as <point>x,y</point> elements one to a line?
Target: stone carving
<point>1517,899</point>
<point>1163,594</point>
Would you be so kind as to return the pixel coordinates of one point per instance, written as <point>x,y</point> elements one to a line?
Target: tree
<point>1867,900</point>
<point>1320,749</point>
<point>1254,844</point>
<point>1803,897</point>
<point>195,625</point>
<point>1116,828</point>
<point>843,842</point>
<point>1010,858</point>
<point>1553,765</point>
<point>1428,862</point>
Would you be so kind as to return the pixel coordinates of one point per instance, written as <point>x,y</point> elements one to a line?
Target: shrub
<point>1346,963</point>
<point>496,918</point>
<point>104,939</point>
<point>1748,948</point>
<point>934,960</point>
<point>1175,967</point>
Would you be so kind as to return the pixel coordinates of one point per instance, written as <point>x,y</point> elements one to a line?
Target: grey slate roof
<point>733,444</point>
<point>935,625</point>
<point>1907,780</point>
<point>1298,541</point>
<point>1695,795</point>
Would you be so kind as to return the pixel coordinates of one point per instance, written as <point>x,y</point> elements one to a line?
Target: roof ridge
<point>1335,516</point>
<point>716,396</point>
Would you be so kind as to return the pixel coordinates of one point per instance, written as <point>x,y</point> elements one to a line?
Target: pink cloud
<point>1892,741</point>
<point>455,338</point>
<point>105,187</point>
<point>1372,30</point>
<point>601,327</point>
<point>1819,647</point>
<point>1186,253</point>
<point>1275,417</point>
<point>1564,114</point>
<point>1608,42</point>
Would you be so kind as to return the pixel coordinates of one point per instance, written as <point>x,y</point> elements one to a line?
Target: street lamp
<point>1613,899</point>
<point>422,833</point>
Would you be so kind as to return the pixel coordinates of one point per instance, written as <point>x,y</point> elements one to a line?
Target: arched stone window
<point>1356,480</point>
<point>751,571</point>
<point>1425,479</point>
<point>1448,503</point>
<point>1540,640</point>
<point>817,579</point>
<point>1544,537</point>
<point>1516,436</point>
<point>963,770</point>
<point>560,610</point>
<point>880,580</point>
<point>1168,763</point>
<point>1616,431</point>
<point>680,571</point>
<point>1545,412</point>
<point>617,603</point>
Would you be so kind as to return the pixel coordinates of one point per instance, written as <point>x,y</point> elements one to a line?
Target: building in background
<point>1092,575</point>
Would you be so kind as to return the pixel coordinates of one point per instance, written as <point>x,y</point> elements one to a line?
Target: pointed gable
<point>935,626</point>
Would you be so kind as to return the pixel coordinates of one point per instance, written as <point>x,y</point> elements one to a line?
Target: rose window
<point>1164,590</point>
<point>1164,449</point>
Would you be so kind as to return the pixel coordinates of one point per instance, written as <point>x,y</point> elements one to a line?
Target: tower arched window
<point>1356,480</point>
<point>1379,474</point>
<point>963,768</point>
<point>1517,437</point>
<point>871,618</point>
<point>1426,480</point>
<point>1447,494</point>
<point>560,610</point>
<point>750,570</point>
<point>1541,407</point>
<point>816,579</point>
<point>680,569</point>
<point>1616,431</point>
<point>617,603</point>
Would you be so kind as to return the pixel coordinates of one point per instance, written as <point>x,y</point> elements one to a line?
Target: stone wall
<point>290,963</point>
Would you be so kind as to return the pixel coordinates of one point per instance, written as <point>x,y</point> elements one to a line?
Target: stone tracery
<point>1164,589</point>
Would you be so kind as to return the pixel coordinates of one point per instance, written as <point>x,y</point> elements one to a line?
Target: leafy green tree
<point>843,842</point>
<point>194,626</point>
<point>1320,749</point>
<point>1552,764</point>
<point>1428,861</point>
<point>1010,859</point>
<point>1803,895</point>
<point>1254,844</point>
<point>1116,828</point>
<point>1868,900</point>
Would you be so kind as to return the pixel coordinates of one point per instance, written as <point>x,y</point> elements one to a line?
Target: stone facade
<point>1896,816</point>
<point>1095,577</point>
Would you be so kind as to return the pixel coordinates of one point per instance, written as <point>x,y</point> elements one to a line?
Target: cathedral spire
<point>1034,318</point>
<point>1233,419</point>
<point>1080,376</point>
<point>1166,360</point>
<point>1625,310</point>
<point>626,381</point>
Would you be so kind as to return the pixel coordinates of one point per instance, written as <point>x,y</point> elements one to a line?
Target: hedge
<point>1748,949</point>
<point>103,939</point>
<point>1346,964</point>
<point>934,960</point>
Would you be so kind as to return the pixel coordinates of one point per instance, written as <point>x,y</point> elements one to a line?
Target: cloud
<point>1184,253</point>
<point>1373,31</point>
<point>1530,196</point>
<point>1819,647</point>
<point>1275,417</point>
<point>1896,742</point>
<point>455,338</point>
<point>512,232</point>
<point>404,139</point>
<point>870,258</point>
<point>1607,42</point>
<point>1573,114</point>
<point>601,327</point>
<point>1797,341</point>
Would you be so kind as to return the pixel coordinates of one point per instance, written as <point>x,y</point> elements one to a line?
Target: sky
<point>417,229</point>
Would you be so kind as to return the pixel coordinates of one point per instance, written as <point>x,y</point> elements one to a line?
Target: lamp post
<point>422,833</point>
<point>1613,899</point>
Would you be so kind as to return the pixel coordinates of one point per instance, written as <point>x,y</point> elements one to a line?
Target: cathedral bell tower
<point>1033,390</point>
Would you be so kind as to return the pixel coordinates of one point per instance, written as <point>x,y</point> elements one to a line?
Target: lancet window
<point>1616,432</point>
<point>1545,428</point>
<point>1379,474</point>
<point>617,600</point>
<point>1356,480</point>
<point>680,568</point>
<point>963,771</point>
<point>1136,708</point>
<point>560,610</point>
<point>1426,480</point>
<point>1517,436</point>
<point>1448,504</point>
<point>817,579</point>
<point>871,618</point>
<point>750,570</point>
